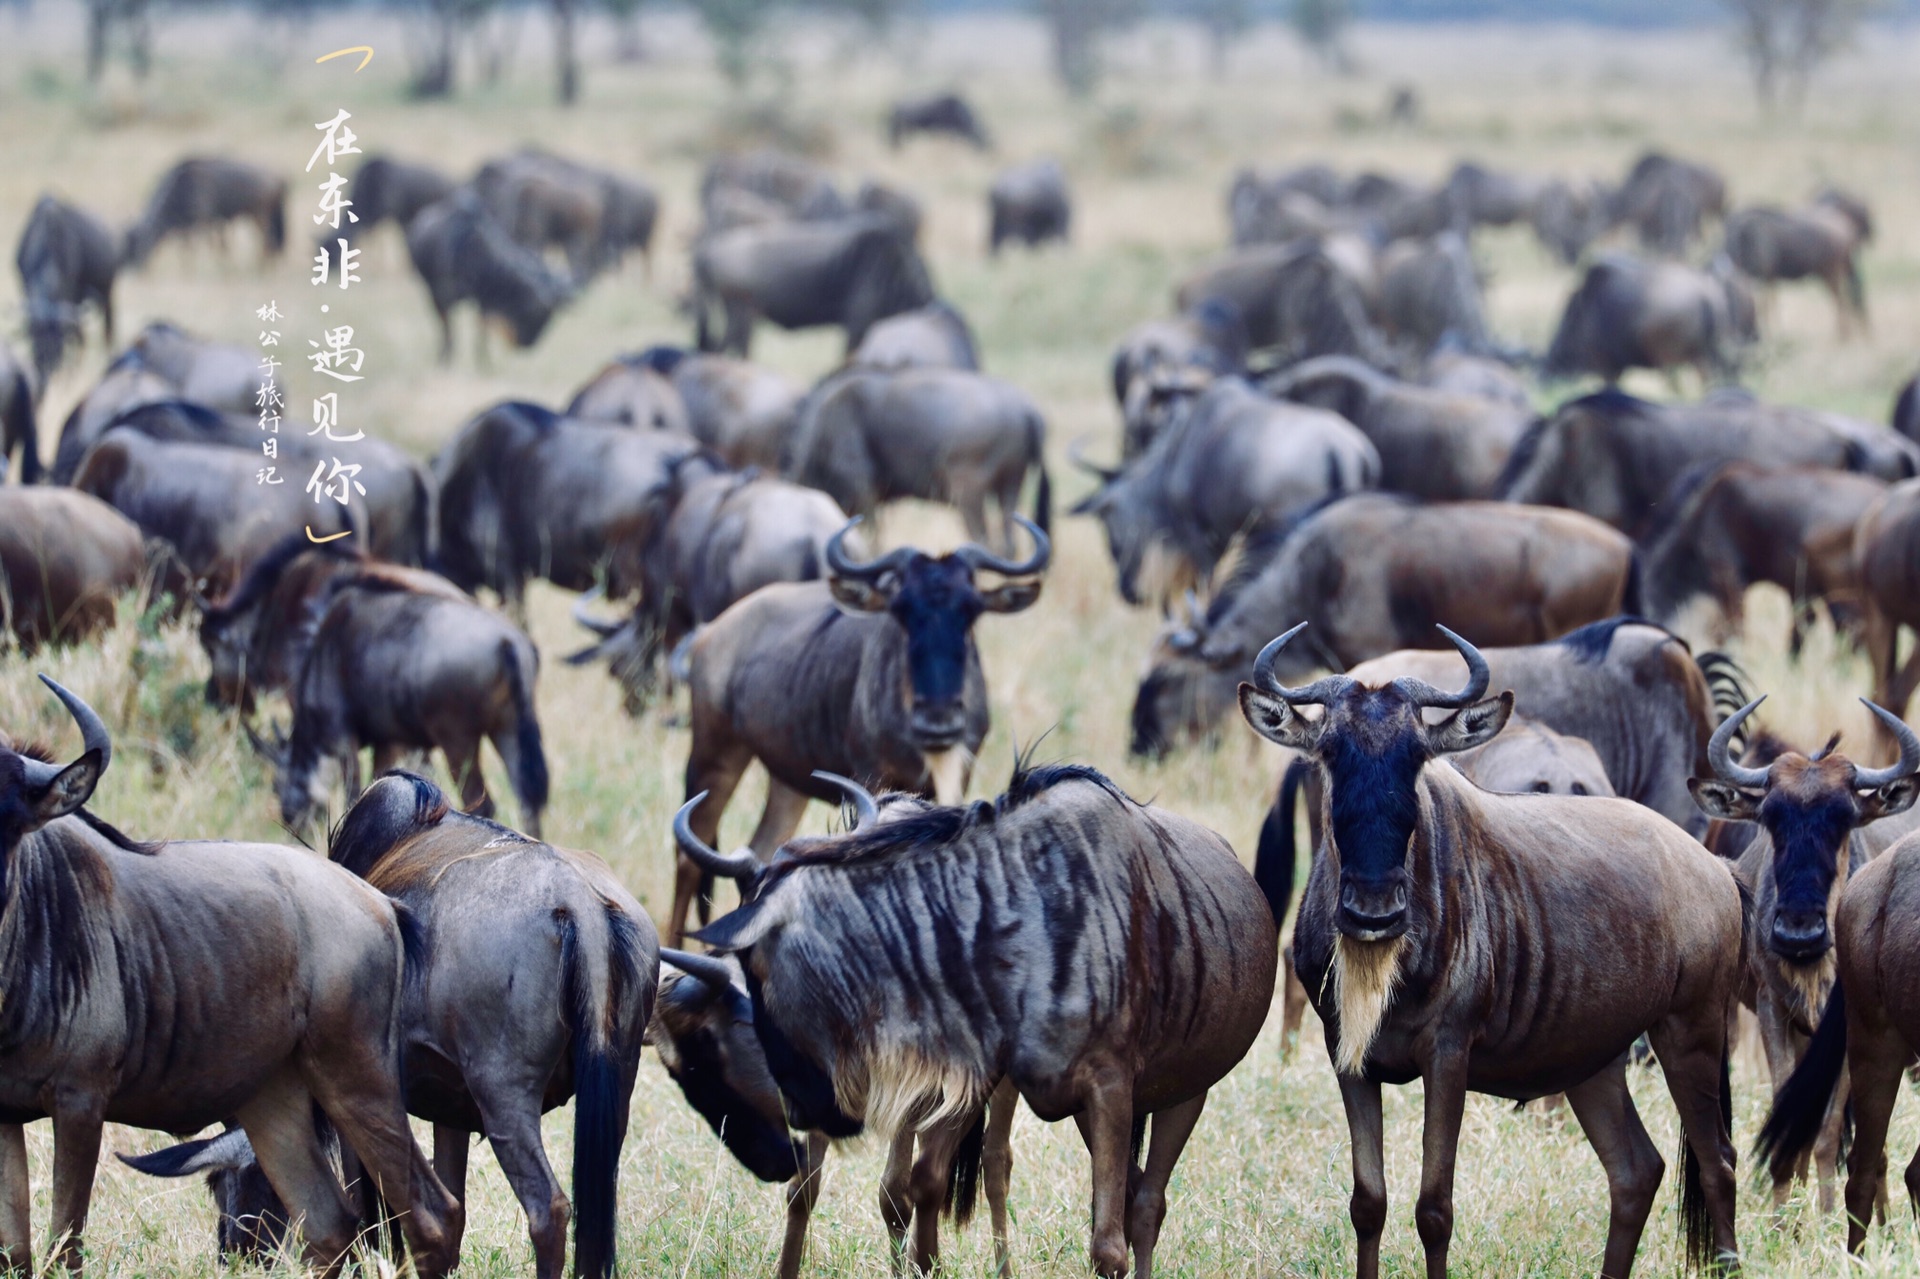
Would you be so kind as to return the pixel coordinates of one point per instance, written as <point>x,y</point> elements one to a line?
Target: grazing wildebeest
<point>788,185</point>
<point>1886,554</point>
<point>65,558</point>
<point>388,190</point>
<point>851,272</point>
<point>1821,241</point>
<point>19,429</point>
<point>743,412</point>
<point>632,392</point>
<point>1515,945</point>
<point>253,635</point>
<point>1303,299</point>
<point>1667,202</point>
<point>527,493</point>
<point>1210,339</point>
<point>882,1014</point>
<point>174,985</point>
<point>1430,294</point>
<point>1029,204</point>
<point>1722,530</point>
<point>936,336</point>
<point>67,260</point>
<point>1568,216</point>
<point>1257,203</point>
<point>726,536</point>
<point>206,193</point>
<point>866,437</point>
<point>1433,443</point>
<point>938,113</point>
<point>871,674</point>
<point>1807,809</point>
<point>1633,313</point>
<point>127,384</point>
<point>591,215</point>
<point>1374,572</point>
<point>400,660</point>
<point>211,373</point>
<point>1231,459</point>
<point>463,255</point>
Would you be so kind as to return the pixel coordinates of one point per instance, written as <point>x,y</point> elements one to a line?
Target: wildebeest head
<point>252,1221</point>
<point>1372,743</point>
<point>35,791</point>
<point>935,601</point>
<point>1808,805</point>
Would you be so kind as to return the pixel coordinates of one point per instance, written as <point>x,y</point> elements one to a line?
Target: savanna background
<point>1149,148</point>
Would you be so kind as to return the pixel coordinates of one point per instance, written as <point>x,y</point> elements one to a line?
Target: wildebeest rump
<point>1906,410</point>
<point>215,374</point>
<point>938,113</point>
<point>1029,204</point>
<point>1632,313</point>
<point>632,392</point>
<point>935,336</point>
<point>1886,554</point>
<point>19,425</point>
<point>742,411</point>
<point>463,255</point>
<point>65,558</point>
<point>1821,241</point>
<point>1667,201</point>
<point>67,260</point>
<point>206,193</point>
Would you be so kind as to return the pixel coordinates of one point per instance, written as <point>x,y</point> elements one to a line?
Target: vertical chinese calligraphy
<point>333,354</point>
<point>267,397</point>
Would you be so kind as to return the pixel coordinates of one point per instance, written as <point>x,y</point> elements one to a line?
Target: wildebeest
<point>388,190</point>
<point>1433,443</point>
<point>1257,203</point>
<point>872,674</point>
<point>866,437</point>
<point>254,634</point>
<point>1821,241</point>
<point>1633,313</point>
<point>1029,204</point>
<point>1667,201</point>
<point>632,392</point>
<point>1483,376</point>
<point>463,255</point>
<point>512,931</point>
<point>1906,410</point>
<point>1515,945</point>
<point>125,385</point>
<point>1374,572</point>
<point>1886,554</point>
<point>1480,196</point>
<point>938,113</point>
<point>591,215</point>
<point>215,374</point>
<point>400,660</point>
<point>727,535</point>
<point>882,1013</point>
<point>1230,460</point>
<point>851,272</point>
<point>936,336</point>
<point>64,559</point>
<point>1725,529</point>
<point>899,207</point>
<point>787,185</point>
<point>206,193</point>
<point>743,412</point>
<point>19,428</point>
<point>1568,216</point>
<point>67,260</point>
<point>174,985</point>
<point>1430,295</point>
<point>1209,339</point>
<point>1301,299</point>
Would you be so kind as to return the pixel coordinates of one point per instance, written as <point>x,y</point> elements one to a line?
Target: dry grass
<point>1263,1188</point>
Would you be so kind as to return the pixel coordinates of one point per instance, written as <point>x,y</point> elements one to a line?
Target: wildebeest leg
<point>450,1148</point>
<point>1876,1056</point>
<point>927,1185</point>
<point>1826,1148</point>
<point>971,499</point>
<point>1605,1109</point>
<point>1690,1045</point>
<point>717,772</point>
<point>1171,1128</point>
<point>76,1153</point>
<point>513,1129</point>
<point>996,1168</point>
<point>279,1125</point>
<point>1446,1105</point>
<point>16,1201</point>
<point>739,339</point>
<point>1107,1126</point>
<point>803,1192</point>
<point>463,763</point>
<point>1368,1208</point>
<point>896,1207</point>
<point>778,820</point>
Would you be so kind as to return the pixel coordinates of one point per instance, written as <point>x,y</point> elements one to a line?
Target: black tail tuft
<point>1273,863</point>
<point>963,1175</point>
<point>599,1114</point>
<point>1633,597</point>
<point>19,429</point>
<point>1043,502</point>
<point>1800,1107</point>
<point>530,776</point>
<point>1695,1220</point>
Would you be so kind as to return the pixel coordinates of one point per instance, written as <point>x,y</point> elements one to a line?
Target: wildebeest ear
<point>857,596</point>
<point>1274,720</point>
<point>1896,796</point>
<point>68,790</point>
<point>1470,726</point>
<point>1010,597</point>
<point>1724,800</point>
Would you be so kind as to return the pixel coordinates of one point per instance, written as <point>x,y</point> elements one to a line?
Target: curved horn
<point>1478,677</point>
<point>706,969</point>
<point>93,733</point>
<point>1909,761</point>
<point>605,630</point>
<point>1720,754</point>
<point>1314,694</point>
<point>1076,456</point>
<point>864,808</point>
<point>979,557</point>
<point>837,561</point>
<point>741,865</point>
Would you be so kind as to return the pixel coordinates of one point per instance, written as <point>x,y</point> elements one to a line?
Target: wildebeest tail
<point>530,779</point>
<point>594,985</point>
<point>1632,595</point>
<point>230,1149</point>
<point>1696,1223</point>
<point>1273,862</point>
<point>963,1174</point>
<point>1800,1107</point>
<point>19,429</point>
<point>1043,494</point>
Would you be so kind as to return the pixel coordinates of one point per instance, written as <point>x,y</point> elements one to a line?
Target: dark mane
<point>1523,454</point>
<point>367,832</point>
<point>1675,507</point>
<point>34,750</point>
<point>263,573</point>
<point>661,359</point>
<point>539,416</point>
<point>118,838</point>
<point>1261,546</point>
<point>1591,643</point>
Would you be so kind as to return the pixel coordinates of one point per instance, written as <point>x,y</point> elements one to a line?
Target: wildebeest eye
<point>1580,788</point>
<point>1542,787</point>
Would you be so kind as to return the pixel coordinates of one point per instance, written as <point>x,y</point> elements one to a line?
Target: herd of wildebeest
<point>1326,443</point>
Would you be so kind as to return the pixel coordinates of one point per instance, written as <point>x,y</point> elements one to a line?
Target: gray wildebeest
<point>127,384</point>
<point>67,260</point>
<point>205,193</point>
<point>593,216</point>
<point>400,660</point>
<point>389,190</point>
<point>65,558</point>
<point>463,255</point>
<point>1258,203</point>
<point>1029,204</point>
<point>1430,296</point>
<point>1433,443</point>
<point>1515,945</point>
<point>211,373</point>
<point>742,411</point>
<point>1668,202</point>
<point>1822,241</point>
<point>1374,572</point>
<point>851,272</point>
<point>947,113</point>
<point>1568,216</point>
<point>19,426</point>
<point>787,186</point>
<point>1230,460</point>
<point>885,1012</point>
<point>936,336</point>
<point>1886,554</point>
<point>253,635</point>
<point>175,985</point>
<point>1797,866</point>
<point>632,392</point>
<point>872,674</point>
<point>1631,313</point>
<point>1209,339</point>
<point>1301,299</point>
<point>511,930</point>
<point>867,437</point>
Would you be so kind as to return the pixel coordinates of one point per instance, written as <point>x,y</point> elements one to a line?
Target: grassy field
<point>1263,1188</point>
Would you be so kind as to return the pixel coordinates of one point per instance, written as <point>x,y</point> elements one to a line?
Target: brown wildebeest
<point>401,660</point>
<point>1507,944</point>
<point>1029,204</point>
<point>1133,1014</point>
<point>1723,530</point>
<point>67,260</point>
<point>206,193</point>
<point>939,113</point>
<point>253,635</point>
<point>1667,202</point>
<point>463,255</point>
<point>175,985</point>
<point>125,385</point>
<point>632,392</point>
<point>1630,313</point>
<point>64,559</point>
<point>1821,241</point>
<point>512,930</point>
<point>1796,867</point>
<point>1886,554</point>
<point>1374,572</point>
<point>936,336</point>
<point>19,429</point>
<point>870,674</point>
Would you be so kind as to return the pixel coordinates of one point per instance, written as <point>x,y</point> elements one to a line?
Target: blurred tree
<point>104,18</point>
<point>626,24</point>
<point>565,54</point>
<point>434,66</point>
<point>1785,41</point>
<point>1076,27</point>
<point>736,28</point>
<point>1224,21</point>
<point>1322,27</point>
